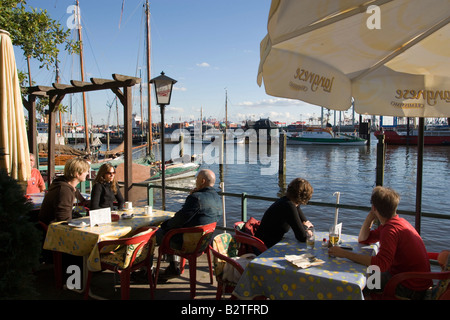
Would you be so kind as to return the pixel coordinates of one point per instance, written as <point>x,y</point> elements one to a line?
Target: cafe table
<point>82,241</point>
<point>272,276</point>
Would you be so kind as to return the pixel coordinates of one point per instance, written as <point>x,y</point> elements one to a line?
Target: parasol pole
<point>337,194</point>
<point>222,188</point>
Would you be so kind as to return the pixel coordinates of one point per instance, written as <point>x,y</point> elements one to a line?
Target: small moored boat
<point>324,136</point>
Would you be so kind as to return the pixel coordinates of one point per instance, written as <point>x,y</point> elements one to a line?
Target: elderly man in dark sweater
<point>203,206</point>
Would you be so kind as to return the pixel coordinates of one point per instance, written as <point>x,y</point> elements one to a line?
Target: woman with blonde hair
<point>106,189</point>
<point>285,213</point>
<point>59,200</point>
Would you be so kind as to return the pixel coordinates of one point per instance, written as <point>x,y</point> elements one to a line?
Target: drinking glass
<point>310,238</point>
<point>333,236</point>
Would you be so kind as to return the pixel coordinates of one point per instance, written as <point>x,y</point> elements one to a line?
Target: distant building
<point>260,124</point>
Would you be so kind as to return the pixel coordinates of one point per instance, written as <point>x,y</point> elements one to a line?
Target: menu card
<point>100,216</point>
<point>304,261</point>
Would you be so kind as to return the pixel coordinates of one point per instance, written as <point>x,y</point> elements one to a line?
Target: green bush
<point>20,242</point>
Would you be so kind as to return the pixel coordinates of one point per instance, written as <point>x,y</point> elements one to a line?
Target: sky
<point>211,47</point>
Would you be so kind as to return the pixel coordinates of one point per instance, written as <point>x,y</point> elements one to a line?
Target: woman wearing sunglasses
<point>106,189</point>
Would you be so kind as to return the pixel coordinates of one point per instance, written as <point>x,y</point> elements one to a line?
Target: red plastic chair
<point>202,236</point>
<point>247,240</point>
<point>57,260</point>
<point>133,253</point>
<point>391,286</point>
<point>223,248</point>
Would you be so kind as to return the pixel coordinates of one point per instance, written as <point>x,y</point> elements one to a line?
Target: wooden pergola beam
<point>120,85</point>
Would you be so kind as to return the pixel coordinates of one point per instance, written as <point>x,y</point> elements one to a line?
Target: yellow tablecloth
<point>83,241</point>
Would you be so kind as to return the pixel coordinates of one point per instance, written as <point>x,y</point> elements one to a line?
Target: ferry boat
<point>324,136</point>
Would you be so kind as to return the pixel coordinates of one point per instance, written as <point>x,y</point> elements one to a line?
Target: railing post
<point>150,194</point>
<point>244,206</point>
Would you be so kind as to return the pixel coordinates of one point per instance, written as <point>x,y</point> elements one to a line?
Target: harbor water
<point>349,170</point>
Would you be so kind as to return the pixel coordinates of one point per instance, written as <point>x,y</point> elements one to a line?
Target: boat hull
<point>430,139</point>
<point>327,141</point>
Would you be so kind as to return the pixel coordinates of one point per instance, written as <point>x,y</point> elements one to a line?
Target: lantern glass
<point>163,88</point>
<point>163,92</point>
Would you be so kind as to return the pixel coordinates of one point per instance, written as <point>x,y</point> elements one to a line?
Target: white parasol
<point>390,56</point>
<point>13,134</point>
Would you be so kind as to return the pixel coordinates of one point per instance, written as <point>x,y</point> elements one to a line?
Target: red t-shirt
<point>35,182</point>
<point>401,250</point>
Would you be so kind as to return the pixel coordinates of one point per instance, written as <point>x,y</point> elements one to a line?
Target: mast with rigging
<point>150,138</point>
<point>86,125</point>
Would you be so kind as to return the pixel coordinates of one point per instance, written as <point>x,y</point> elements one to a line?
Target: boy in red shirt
<point>401,247</point>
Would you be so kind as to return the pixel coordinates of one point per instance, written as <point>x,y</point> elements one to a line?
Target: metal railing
<point>245,197</point>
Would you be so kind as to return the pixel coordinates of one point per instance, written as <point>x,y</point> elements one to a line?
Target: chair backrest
<point>252,244</point>
<point>136,248</point>
<point>245,234</point>
<point>442,289</point>
<point>195,239</point>
<point>223,248</point>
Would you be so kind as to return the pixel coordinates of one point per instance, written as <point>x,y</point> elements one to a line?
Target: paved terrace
<point>107,285</point>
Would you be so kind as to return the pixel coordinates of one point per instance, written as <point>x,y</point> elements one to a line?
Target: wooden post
<point>420,143</point>
<point>282,155</point>
<point>381,150</point>
<point>282,163</point>
<point>54,101</point>
<point>32,127</point>
<point>128,109</point>
<point>181,140</point>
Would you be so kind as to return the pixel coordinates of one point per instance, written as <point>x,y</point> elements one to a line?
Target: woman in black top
<point>106,189</point>
<point>285,213</point>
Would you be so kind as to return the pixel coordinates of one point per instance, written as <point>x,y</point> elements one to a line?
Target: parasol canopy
<point>384,57</point>
<point>390,56</point>
<point>14,153</point>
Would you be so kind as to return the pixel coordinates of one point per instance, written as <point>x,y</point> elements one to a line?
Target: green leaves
<point>35,32</point>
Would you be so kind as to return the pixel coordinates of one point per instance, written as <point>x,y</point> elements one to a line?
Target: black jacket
<point>102,196</point>
<point>278,219</point>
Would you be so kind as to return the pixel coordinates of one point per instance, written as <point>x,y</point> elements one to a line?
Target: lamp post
<point>163,91</point>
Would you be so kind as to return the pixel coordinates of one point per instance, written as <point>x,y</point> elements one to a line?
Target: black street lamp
<point>163,91</point>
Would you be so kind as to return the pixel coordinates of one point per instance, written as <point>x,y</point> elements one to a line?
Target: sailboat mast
<point>61,133</point>
<point>86,125</point>
<point>150,138</point>
<point>226,109</point>
<point>140,101</point>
